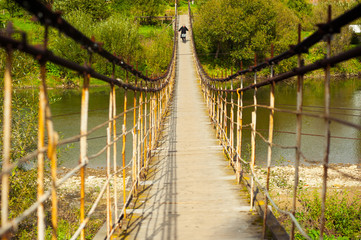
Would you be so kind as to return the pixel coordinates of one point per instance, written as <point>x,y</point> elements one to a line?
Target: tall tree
<point>237,29</point>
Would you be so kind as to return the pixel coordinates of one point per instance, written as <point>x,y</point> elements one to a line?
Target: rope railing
<point>151,102</point>
<point>226,107</point>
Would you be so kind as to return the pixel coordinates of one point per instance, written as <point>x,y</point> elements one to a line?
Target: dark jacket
<point>183,29</point>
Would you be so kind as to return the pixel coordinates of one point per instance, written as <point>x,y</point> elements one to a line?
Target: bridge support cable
<point>151,98</point>
<point>247,169</point>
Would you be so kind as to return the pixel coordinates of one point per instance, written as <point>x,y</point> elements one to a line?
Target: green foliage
<point>157,52</point>
<point>12,8</point>
<point>228,31</point>
<point>65,47</point>
<point>119,36</point>
<point>117,33</point>
<point>236,30</point>
<point>97,9</point>
<point>149,7</point>
<point>24,125</point>
<point>122,6</point>
<point>303,10</point>
<point>23,193</point>
<point>315,234</point>
<point>23,179</point>
<point>342,41</point>
<point>343,215</point>
<point>24,67</point>
<point>300,6</point>
<point>182,7</point>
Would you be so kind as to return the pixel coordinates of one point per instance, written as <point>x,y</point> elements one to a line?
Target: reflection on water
<point>345,104</point>
<point>66,119</point>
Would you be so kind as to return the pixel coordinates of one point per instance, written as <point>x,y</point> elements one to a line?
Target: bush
<point>97,9</point>
<point>119,36</point>
<point>66,47</point>
<point>343,215</point>
<point>234,31</point>
<point>158,52</point>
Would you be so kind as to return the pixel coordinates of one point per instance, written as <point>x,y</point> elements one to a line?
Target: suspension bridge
<point>185,177</point>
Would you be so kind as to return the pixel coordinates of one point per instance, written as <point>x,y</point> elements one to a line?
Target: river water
<point>345,104</point>
<point>66,117</point>
<point>345,141</point>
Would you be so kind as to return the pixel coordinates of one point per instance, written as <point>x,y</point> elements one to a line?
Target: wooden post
<point>83,145</point>
<point>253,137</point>
<point>123,154</point>
<point>7,119</point>
<point>269,153</point>
<point>327,133</point>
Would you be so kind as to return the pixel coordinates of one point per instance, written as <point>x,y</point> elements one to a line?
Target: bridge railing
<point>151,100</point>
<point>227,108</point>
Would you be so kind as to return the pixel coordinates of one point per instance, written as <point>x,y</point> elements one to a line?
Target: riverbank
<point>339,177</point>
<point>343,203</point>
<point>69,200</point>
<point>95,179</point>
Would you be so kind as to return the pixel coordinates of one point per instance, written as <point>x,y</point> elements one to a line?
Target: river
<point>345,103</point>
<point>66,117</point>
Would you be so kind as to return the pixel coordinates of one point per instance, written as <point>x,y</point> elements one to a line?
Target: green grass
<point>25,24</point>
<point>343,215</point>
<point>148,31</point>
<point>306,34</point>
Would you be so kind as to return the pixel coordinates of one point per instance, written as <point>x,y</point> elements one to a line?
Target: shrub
<point>97,9</point>
<point>65,47</point>
<point>343,215</point>
<point>119,36</point>
<point>158,52</point>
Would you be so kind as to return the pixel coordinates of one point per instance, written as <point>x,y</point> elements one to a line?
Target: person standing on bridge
<point>183,31</point>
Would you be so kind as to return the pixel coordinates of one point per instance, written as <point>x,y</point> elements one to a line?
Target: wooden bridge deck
<point>190,192</point>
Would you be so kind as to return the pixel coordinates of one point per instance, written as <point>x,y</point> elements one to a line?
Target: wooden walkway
<point>190,192</point>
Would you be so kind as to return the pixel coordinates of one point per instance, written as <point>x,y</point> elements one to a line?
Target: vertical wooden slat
<point>83,145</point>
<point>239,131</point>
<point>151,112</point>
<point>135,134</point>
<point>298,135</point>
<point>7,117</point>
<point>115,167</point>
<point>253,139</point>
<point>146,130</point>
<point>41,144</point>
<point>123,151</point>
<point>141,129</point>
<point>232,127</point>
<point>41,141</point>
<point>269,153</point>
<point>52,143</point>
<point>225,121</point>
<point>327,134</point>
<point>109,131</point>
